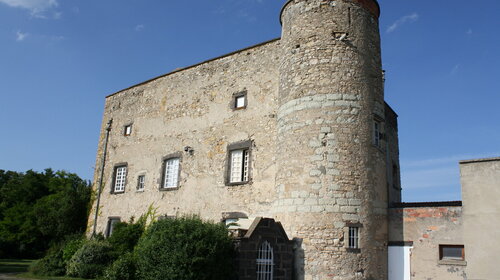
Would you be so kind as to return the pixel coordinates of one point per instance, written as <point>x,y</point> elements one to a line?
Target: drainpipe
<point>108,129</point>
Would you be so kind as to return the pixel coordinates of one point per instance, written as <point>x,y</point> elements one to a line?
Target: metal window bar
<point>171,173</point>
<point>265,262</point>
<point>121,173</point>
<point>354,237</point>
<point>140,184</point>
<point>376,135</point>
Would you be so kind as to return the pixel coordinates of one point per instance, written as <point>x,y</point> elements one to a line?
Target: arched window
<point>265,262</point>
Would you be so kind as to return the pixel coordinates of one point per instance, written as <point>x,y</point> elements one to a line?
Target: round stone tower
<point>331,179</point>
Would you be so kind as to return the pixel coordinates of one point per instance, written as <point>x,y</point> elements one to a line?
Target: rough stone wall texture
<point>329,173</point>
<point>480,192</point>
<point>248,248</point>
<point>192,108</point>
<point>427,228</point>
<point>313,97</point>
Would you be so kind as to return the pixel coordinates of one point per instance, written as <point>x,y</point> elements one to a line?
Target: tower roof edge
<point>371,5</point>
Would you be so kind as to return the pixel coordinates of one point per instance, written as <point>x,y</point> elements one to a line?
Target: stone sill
<point>452,262</point>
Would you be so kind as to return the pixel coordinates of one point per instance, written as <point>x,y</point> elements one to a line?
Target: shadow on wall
<point>298,259</point>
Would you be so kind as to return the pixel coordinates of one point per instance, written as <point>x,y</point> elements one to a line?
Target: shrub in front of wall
<point>72,244</point>
<point>52,264</point>
<point>124,268</point>
<point>184,249</point>
<point>125,236</point>
<point>90,260</point>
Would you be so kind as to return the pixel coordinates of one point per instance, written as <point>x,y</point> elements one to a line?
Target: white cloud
<point>20,36</point>
<point>409,18</point>
<point>139,27</point>
<point>36,7</point>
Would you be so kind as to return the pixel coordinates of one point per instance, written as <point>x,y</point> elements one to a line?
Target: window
<point>239,166</point>
<point>127,131</point>
<point>239,101</point>
<point>353,238</point>
<point>112,221</point>
<point>265,262</point>
<point>140,182</point>
<point>171,173</point>
<point>119,179</point>
<point>451,252</point>
<point>377,133</point>
<point>238,163</point>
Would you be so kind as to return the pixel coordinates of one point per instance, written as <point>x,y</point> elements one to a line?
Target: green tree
<point>37,209</point>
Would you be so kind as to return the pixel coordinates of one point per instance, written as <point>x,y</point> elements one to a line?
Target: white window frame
<point>265,262</point>
<point>240,100</point>
<point>120,178</point>
<point>171,173</point>
<point>238,165</point>
<point>127,131</point>
<point>141,182</point>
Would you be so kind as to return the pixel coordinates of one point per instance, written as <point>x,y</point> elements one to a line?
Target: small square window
<point>353,238</point>
<point>451,252</point>
<point>239,101</point>
<point>171,173</point>
<point>140,182</point>
<point>119,179</point>
<point>127,130</point>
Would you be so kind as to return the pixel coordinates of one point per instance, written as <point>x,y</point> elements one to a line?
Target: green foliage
<point>37,209</point>
<point>73,244</point>
<point>123,268</point>
<point>125,236</point>
<point>52,264</point>
<point>90,260</point>
<point>57,258</point>
<point>183,249</point>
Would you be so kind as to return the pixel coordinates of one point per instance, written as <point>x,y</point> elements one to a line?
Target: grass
<point>14,266</point>
<point>19,268</point>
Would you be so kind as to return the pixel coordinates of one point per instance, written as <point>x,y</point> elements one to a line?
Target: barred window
<point>377,133</point>
<point>451,252</point>
<point>353,238</point>
<point>140,182</point>
<point>239,166</point>
<point>265,262</point>
<point>120,177</point>
<point>171,173</point>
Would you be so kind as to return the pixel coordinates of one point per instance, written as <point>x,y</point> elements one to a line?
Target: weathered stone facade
<point>313,99</point>
<point>426,226</point>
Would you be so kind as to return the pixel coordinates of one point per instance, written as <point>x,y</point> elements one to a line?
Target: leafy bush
<point>90,260</point>
<point>73,243</point>
<point>125,236</point>
<point>52,264</point>
<point>123,268</point>
<point>184,249</point>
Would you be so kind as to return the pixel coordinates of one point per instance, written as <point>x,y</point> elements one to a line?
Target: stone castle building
<point>295,129</point>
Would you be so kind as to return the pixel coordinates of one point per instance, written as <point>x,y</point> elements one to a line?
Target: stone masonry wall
<point>330,174</point>
<point>313,97</point>
<point>428,227</point>
<point>192,108</point>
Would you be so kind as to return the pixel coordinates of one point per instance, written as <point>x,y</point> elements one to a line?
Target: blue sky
<point>60,58</point>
